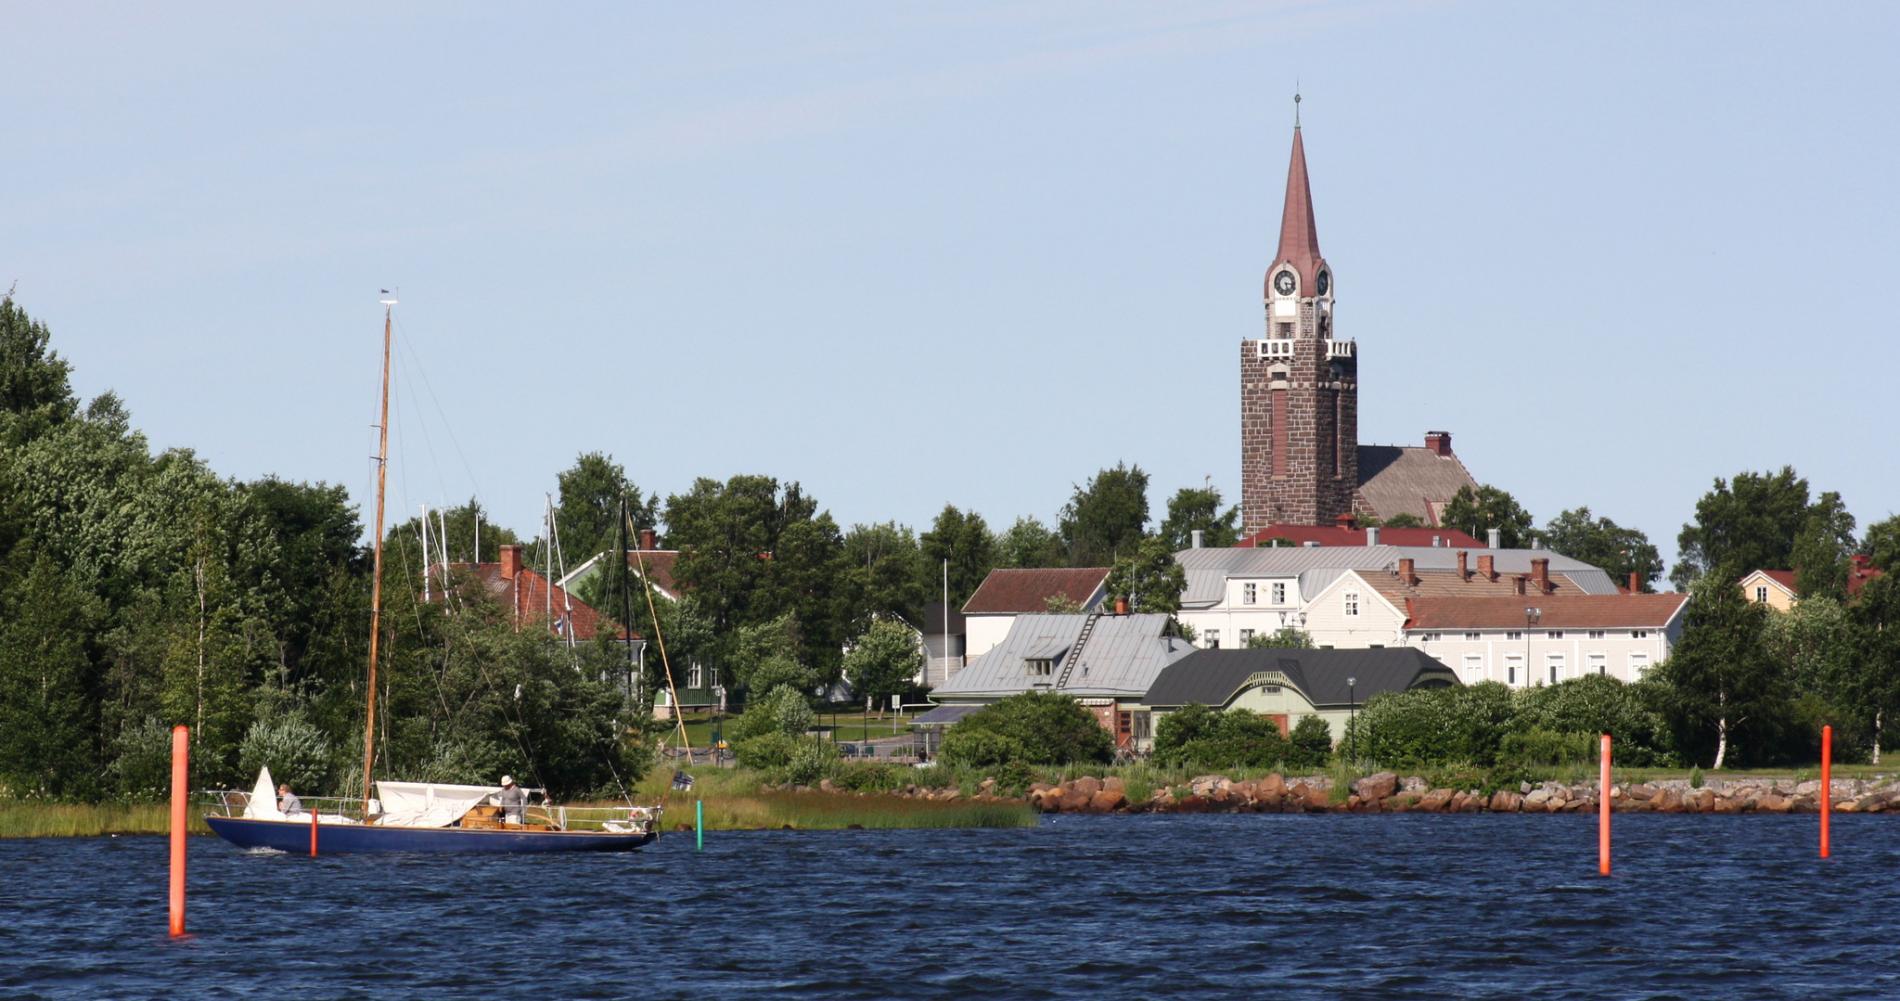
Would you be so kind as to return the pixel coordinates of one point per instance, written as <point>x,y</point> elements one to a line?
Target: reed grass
<point>735,800</point>
<point>31,819</point>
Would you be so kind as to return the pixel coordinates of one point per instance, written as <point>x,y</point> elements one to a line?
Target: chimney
<point>1406,575</point>
<point>1121,606</point>
<point>1488,567</point>
<point>1372,536</point>
<point>1438,443</point>
<point>648,540</point>
<point>1540,572</point>
<point>1517,582</point>
<point>1636,582</point>
<point>1464,568</point>
<point>510,562</point>
<point>1347,522</point>
<point>1494,538</point>
<point>1197,535</point>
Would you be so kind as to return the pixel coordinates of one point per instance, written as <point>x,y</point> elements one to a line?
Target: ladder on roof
<point>1075,652</point>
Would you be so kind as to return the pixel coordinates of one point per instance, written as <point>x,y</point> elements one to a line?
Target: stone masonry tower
<point>1299,388</point>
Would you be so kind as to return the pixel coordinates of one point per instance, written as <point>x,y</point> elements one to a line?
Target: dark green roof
<point>1212,677</point>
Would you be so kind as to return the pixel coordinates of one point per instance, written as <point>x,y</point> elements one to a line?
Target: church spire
<point>1299,237</point>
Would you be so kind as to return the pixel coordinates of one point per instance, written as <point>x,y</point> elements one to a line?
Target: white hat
<point>505,780</point>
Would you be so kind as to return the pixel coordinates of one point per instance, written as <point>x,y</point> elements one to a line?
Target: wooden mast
<point>376,571</point>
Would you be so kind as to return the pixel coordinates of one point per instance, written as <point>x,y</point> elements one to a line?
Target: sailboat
<point>420,816</point>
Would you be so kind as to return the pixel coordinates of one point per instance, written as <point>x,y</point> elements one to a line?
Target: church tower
<point>1299,388</point>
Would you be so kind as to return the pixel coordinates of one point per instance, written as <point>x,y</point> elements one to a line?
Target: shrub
<point>782,710</point>
<point>295,751</point>
<point>1176,729</point>
<point>1595,704</point>
<point>980,748</point>
<point>1235,738</point>
<point>766,751</point>
<point>869,777</point>
<point>1534,749</point>
<point>141,760</point>
<point>1310,744</point>
<point>1426,726</point>
<point>812,759</point>
<point>1695,777</point>
<point>1049,729</point>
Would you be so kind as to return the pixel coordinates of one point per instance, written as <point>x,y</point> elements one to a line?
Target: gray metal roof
<point>1212,677</point>
<point>944,715</point>
<point>1121,658</point>
<point>1209,569</point>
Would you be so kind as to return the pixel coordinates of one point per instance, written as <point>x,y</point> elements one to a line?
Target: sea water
<point>1410,906</point>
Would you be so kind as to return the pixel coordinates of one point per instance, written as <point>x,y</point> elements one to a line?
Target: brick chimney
<point>1540,572</point>
<point>1346,521</point>
<point>1406,576</point>
<point>1438,443</point>
<point>648,540</point>
<point>1636,582</point>
<point>1464,569</point>
<point>1121,606</point>
<point>510,562</point>
<point>1488,567</point>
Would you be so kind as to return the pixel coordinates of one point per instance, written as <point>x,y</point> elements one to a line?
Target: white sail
<point>263,804</point>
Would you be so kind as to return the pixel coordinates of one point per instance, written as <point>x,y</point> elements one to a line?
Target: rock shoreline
<point>1387,792</point>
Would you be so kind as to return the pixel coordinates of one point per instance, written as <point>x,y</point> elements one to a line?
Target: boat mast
<point>376,570</point>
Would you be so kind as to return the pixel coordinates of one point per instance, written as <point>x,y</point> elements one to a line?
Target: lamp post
<point>1352,720</point>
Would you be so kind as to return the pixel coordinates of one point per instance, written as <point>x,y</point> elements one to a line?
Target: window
<point>1249,593</point>
<point>1211,639</point>
<point>1554,666</point>
<point>1040,667</point>
<point>1246,637</point>
<point>1474,667</point>
<point>1430,637</point>
<point>1513,636</point>
<point>1141,727</point>
<point>1598,664</point>
<point>1279,593</point>
<point>1555,634</point>
<point>695,677</point>
<point>1595,634</point>
<point>1352,603</point>
<point>1472,637</point>
<point>1761,596</point>
<point>1639,663</point>
<point>1512,665</point>
<point>1639,634</point>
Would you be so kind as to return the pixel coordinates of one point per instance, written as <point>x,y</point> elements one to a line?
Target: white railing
<point>1276,348</point>
<point>1338,349</point>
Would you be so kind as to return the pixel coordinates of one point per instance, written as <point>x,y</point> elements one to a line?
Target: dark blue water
<point>1179,906</point>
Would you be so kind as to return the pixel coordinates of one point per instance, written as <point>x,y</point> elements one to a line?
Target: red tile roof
<point>528,596</point>
<point>1860,570</point>
<point>1783,577</point>
<point>1024,591</point>
<point>659,564</point>
<point>1333,535</point>
<point>1555,611</point>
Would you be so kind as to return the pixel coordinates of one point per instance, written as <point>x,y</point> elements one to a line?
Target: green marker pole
<point>699,825</point>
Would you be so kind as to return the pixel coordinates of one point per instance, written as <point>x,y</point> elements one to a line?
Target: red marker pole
<point>1603,810</point>
<point>181,783</point>
<point>313,832</point>
<point>1827,783</point>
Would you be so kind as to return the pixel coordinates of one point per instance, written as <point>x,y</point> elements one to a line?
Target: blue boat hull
<point>292,836</point>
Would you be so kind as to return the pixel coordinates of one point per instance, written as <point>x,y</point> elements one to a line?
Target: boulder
<point>1437,800</point>
<point>1074,799</point>
<point>1642,791</point>
<point>1273,785</point>
<point>1537,799</point>
<point>1376,787</point>
<point>1107,801</point>
<point>1772,803</point>
<point>1666,801</point>
<point>1506,801</point>
<point>1413,783</point>
<point>1087,785</point>
<point>1115,783</point>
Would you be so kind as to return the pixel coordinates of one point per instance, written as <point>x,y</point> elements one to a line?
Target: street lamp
<point>1352,720</point>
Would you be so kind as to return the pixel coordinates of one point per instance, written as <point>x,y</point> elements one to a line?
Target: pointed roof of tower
<point>1299,237</point>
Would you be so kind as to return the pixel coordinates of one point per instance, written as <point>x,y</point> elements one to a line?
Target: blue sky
<point>910,254</point>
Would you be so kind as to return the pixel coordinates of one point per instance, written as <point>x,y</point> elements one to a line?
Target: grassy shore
<point>85,820</point>
<point>735,799</point>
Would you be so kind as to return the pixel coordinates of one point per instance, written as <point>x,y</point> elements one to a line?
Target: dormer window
<point>1040,667</point>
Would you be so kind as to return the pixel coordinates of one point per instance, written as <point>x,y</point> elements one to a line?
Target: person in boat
<point>513,800</point>
<point>287,801</point>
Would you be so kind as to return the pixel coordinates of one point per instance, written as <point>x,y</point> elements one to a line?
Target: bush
<point>1235,738</point>
<point>812,760</point>
<point>1428,726</point>
<point>1595,704</point>
<point>295,751</point>
<point>869,777</point>
<point>1310,744</point>
<point>782,710</point>
<point>767,751</point>
<point>1048,729</point>
<point>980,748</point>
<point>141,760</point>
<point>1529,750</point>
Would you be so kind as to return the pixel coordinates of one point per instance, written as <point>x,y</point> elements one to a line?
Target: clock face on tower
<point>1283,283</point>
<point>1325,281</point>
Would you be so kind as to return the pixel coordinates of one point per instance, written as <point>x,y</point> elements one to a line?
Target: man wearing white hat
<point>513,800</point>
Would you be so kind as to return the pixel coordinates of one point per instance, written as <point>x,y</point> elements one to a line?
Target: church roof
<point>1399,479</point>
<point>1299,237</point>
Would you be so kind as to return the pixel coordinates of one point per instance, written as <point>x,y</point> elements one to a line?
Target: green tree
<point>1404,519</point>
<point>765,656</point>
<point>1882,543</point>
<point>49,739</point>
<point>1192,509</point>
<point>964,540</point>
<point>886,574</point>
<point>1745,524</point>
<point>1874,679</point>
<point>1283,638</point>
<point>589,515</point>
<point>1197,737</point>
<point>1310,743</point>
<point>1721,685</point>
<point>1029,544</point>
<point>885,661</point>
<point>1476,513</point>
<point>35,389</point>
<point>1038,728</point>
<point>1603,543</point>
<point>1821,549</point>
<point>1149,578</point>
<point>1105,518</point>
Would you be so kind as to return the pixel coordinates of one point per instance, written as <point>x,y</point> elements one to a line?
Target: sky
<point>913,254</point>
